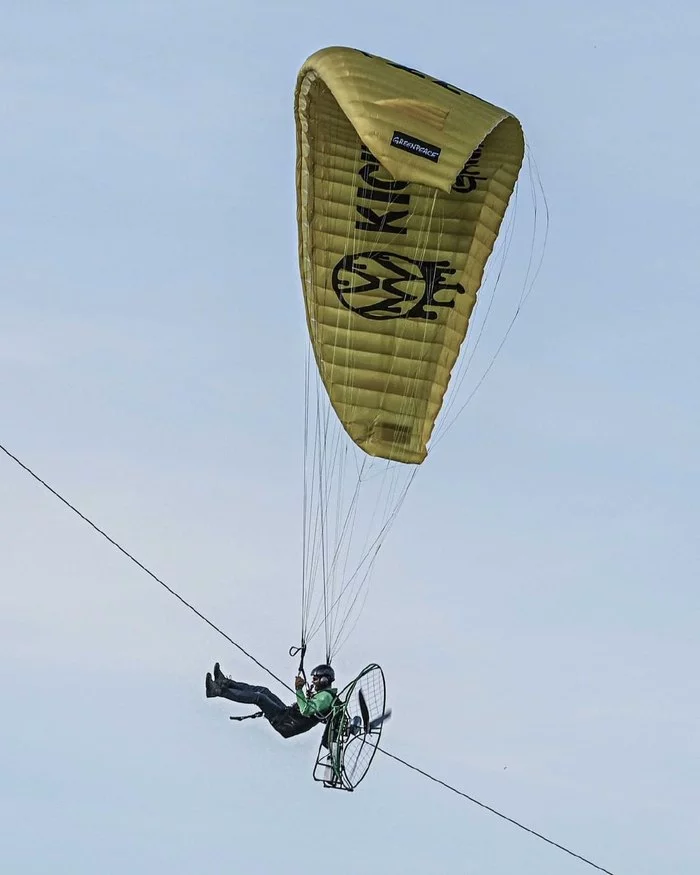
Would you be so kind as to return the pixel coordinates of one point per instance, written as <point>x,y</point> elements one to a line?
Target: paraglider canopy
<point>402,184</point>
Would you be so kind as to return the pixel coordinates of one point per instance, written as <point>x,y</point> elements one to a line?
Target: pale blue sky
<point>541,646</point>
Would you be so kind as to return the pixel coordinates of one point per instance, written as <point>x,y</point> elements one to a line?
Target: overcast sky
<point>540,644</point>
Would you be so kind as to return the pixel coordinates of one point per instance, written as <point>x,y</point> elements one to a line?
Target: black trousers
<point>270,704</point>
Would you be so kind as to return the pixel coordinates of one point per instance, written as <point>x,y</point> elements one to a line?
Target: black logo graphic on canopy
<point>384,285</point>
<point>469,176</point>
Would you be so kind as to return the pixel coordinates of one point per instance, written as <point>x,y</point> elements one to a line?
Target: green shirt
<point>318,704</point>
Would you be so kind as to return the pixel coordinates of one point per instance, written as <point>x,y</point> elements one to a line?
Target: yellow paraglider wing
<point>402,185</point>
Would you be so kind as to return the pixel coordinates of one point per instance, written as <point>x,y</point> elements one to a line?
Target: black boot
<point>212,689</point>
<point>219,676</point>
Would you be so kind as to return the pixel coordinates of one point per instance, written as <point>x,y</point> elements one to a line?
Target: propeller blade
<point>377,722</point>
<point>364,710</point>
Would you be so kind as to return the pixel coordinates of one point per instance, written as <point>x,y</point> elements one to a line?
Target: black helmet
<point>325,672</point>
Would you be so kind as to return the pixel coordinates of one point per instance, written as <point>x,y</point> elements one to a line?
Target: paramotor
<point>353,731</point>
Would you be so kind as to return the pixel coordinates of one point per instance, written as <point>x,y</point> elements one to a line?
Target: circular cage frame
<point>353,731</point>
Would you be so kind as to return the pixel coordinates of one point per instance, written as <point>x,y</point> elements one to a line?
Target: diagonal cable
<point>493,811</point>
